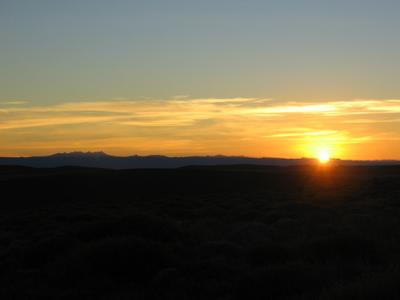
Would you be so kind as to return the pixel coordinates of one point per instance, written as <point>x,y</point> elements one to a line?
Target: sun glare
<point>322,151</point>
<point>323,156</point>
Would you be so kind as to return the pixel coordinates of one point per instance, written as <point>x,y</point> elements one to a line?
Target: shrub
<point>112,260</point>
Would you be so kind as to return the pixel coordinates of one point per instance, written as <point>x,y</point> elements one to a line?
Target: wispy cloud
<point>212,124</point>
<point>13,102</point>
<point>302,134</point>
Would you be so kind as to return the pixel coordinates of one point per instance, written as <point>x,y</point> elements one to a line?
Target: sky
<point>255,78</point>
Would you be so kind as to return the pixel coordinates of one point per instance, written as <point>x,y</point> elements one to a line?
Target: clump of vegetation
<point>208,233</point>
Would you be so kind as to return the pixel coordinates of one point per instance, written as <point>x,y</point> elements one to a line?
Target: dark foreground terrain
<point>239,232</point>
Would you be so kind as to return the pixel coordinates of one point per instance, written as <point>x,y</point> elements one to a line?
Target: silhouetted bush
<point>112,260</point>
<point>37,254</point>
<point>285,281</point>
<point>147,226</point>
<point>382,286</point>
<point>250,233</point>
<point>267,253</point>
<point>219,249</point>
<point>343,247</point>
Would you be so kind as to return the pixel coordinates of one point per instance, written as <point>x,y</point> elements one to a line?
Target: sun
<point>323,156</point>
<point>322,151</point>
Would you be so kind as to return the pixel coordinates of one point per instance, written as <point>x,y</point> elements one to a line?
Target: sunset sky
<point>255,78</point>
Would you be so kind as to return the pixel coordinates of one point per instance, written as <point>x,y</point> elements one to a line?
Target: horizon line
<point>197,156</point>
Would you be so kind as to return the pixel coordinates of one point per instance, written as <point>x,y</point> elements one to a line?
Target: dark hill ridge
<point>79,154</point>
<point>104,160</point>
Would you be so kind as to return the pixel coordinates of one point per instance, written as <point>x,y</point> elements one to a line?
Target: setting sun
<point>323,156</point>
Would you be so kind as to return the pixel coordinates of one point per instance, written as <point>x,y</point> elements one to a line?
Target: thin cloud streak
<point>14,102</point>
<point>200,109</point>
<point>302,134</point>
<point>214,125</point>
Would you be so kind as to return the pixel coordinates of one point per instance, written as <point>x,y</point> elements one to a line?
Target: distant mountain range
<point>103,160</point>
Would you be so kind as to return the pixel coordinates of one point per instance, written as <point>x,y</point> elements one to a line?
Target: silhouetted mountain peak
<point>80,154</point>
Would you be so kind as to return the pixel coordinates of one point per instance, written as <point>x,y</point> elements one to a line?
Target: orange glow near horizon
<point>357,129</point>
<point>324,150</point>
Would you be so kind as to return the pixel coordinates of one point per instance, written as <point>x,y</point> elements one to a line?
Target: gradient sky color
<point>259,78</point>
